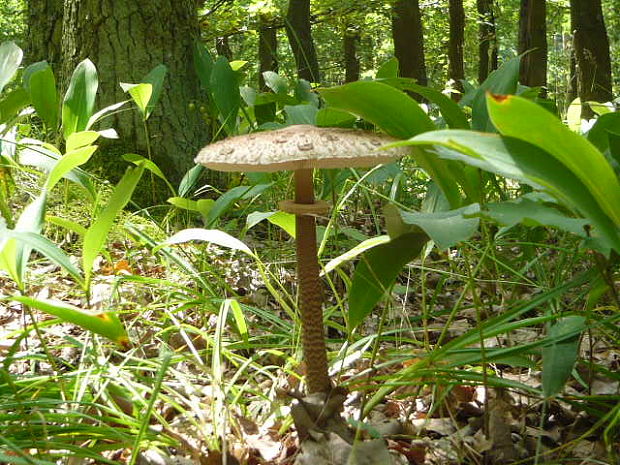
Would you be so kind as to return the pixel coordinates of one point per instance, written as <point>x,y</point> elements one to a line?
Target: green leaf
<point>276,82</point>
<point>214,236</point>
<point>524,162</point>
<point>330,117</point>
<point>389,108</point>
<point>149,165</point>
<point>355,252</point>
<point>203,62</point>
<point>79,102</point>
<point>447,228</point>
<point>68,163</point>
<point>301,114</point>
<point>14,102</point>
<point>225,89</point>
<point>522,119</point>
<point>183,203</point>
<point>388,70</point>
<point>560,356</point>
<point>225,201</point>
<point>10,59</point>
<point>140,94</point>
<point>80,139</point>
<point>453,114</point>
<point>242,327</point>
<point>97,233</point>
<point>190,180</point>
<point>106,324</point>
<point>111,109</point>
<point>376,272</point>
<point>284,220</point>
<point>604,135</point>
<point>40,83</point>
<point>69,225</point>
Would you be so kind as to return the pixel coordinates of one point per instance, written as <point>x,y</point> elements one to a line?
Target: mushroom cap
<point>299,147</point>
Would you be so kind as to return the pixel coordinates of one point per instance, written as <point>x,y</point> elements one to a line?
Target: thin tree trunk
<point>299,34</point>
<point>125,40</point>
<point>487,39</point>
<point>592,53</point>
<point>533,39</point>
<point>409,40</point>
<point>456,67</point>
<point>44,31</point>
<point>222,47</point>
<point>351,59</point>
<point>267,51</point>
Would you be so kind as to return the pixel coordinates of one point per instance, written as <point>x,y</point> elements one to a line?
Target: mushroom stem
<point>310,292</point>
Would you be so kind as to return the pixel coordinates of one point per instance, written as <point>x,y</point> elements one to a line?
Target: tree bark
<point>299,34</point>
<point>409,40</point>
<point>533,39</point>
<point>351,59</point>
<point>456,67</point>
<point>592,53</point>
<point>267,51</point>
<point>126,40</point>
<point>487,39</point>
<point>222,47</point>
<point>44,31</point>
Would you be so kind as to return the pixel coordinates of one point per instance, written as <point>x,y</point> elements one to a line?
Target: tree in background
<point>45,18</point>
<point>456,68</point>
<point>299,34</point>
<point>126,40</point>
<point>267,49</point>
<point>533,40</point>
<point>408,37</point>
<point>591,53</point>
<point>351,59</point>
<point>487,37</point>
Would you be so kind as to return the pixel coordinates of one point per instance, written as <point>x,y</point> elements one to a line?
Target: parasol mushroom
<point>301,148</point>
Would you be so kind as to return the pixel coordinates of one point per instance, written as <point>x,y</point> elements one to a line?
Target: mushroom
<point>301,148</point>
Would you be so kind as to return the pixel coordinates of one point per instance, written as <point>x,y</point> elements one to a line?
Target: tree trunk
<point>409,40</point>
<point>456,67</point>
<point>487,39</point>
<point>299,35</point>
<point>125,40</point>
<point>222,47</point>
<point>44,31</point>
<point>351,59</point>
<point>592,53</point>
<point>267,50</point>
<point>533,39</point>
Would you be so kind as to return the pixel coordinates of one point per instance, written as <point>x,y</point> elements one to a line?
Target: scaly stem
<point>310,291</point>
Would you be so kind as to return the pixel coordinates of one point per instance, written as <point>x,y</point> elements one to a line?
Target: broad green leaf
<point>284,220</point>
<point>453,114</point>
<point>10,59</point>
<point>183,203</point>
<point>388,70</point>
<point>389,108</point>
<point>240,322</point>
<point>225,201</point>
<point>447,228</point>
<point>97,233</point>
<point>301,114</point>
<point>573,115</point>
<point>204,65</point>
<point>605,134</point>
<point>40,83</point>
<point>355,252</point>
<point>602,108</point>
<point>236,65</point>
<point>79,102</point>
<point>14,255</point>
<point>501,81</point>
<point>68,163</point>
<point>330,117</point>
<point>515,159</point>
<point>303,93</point>
<point>214,236</point>
<point>531,213</point>
<point>522,119</point>
<point>225,90</point>
<point>12,103</point>
<point>106,324</point>
<point>69,225</point>
<point>109,110</point>
<point>149,165</point>
<point>559,357</point>
<point>190,180</point>
<point>44,246</point>
<point>156,78</point>
<point>140,93</point>
<point>376,272</point>
<point>276,82</point>
<point>80,139</point>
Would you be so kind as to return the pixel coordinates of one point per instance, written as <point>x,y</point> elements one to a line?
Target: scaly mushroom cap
<point>299,147</point>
